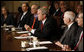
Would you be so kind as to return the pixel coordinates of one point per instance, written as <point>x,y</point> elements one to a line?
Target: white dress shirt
<point>23,15</point>
<point>70,25</point>
<point>22,18</point>
<point>56,11</point>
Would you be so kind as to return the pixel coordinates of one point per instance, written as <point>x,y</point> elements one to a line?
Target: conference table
<point>9,43</point>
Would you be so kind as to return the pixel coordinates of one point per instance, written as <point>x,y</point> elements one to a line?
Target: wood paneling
<point>13,5</point>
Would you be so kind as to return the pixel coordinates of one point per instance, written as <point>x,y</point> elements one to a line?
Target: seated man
<point>57,9</point>
<point>70,30</point>
<point>79,37</point>
<point>25,16</point>
<point>34,23</point>
<point>47,28</point>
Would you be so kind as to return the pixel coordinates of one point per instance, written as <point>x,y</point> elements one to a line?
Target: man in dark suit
<point>47,28</point>
<point>70,30</point>
<point>34,23</point>
<point>57,9</point>
<point>25,16</point>
<point>79,37</point>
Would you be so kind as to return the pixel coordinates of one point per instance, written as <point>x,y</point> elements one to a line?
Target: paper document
<point>43,42</point>
<point>36,48</point>
<point>7,26</point>
<point>20,37</point>
<point>23,32</point>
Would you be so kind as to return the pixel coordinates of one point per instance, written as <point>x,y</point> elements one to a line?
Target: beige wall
<point>9,5</point>
<point>13,5</point>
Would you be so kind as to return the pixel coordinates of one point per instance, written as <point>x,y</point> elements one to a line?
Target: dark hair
<point>38,7</point>
<point>56,2</point>
<point>29,9</point>
<point>27,4</point>
<point>19,9</point>
<point>5,8</point>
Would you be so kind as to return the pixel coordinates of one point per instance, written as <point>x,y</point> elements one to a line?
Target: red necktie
<point>33,22</point>
<point>78,42</point>
<point>41,27</point>
<point>63,15</point>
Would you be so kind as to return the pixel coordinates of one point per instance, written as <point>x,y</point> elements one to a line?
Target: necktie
<point>33,22</point>
<point>41,27</point>
<point>78,42</point>
<point>62,16</point>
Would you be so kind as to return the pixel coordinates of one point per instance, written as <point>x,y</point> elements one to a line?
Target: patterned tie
<point>78,42</point>
<point>33,22</point>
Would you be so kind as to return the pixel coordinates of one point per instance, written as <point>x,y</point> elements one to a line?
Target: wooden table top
<point>9,43</point>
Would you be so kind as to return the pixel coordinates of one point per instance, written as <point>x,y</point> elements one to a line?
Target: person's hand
<point>59,44</point>
<point>27,27</point>
<point>66,48</point>
<point>24,35</point>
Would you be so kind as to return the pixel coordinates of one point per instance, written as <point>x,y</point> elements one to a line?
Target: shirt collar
<point>24,13</point>
<point>35,15</point>
<point>57,9</point>
<point>70,25</point>
<point>44,21</point>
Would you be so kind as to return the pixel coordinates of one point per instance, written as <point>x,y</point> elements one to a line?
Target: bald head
<point>34,9</point>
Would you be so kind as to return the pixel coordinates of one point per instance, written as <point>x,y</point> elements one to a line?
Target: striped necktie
<point>78,42</point>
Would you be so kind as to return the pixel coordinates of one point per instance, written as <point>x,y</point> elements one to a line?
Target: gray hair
<point>37,6</point>
<point>44,10</point>
<point>70,15</point>
<point>81,15</point>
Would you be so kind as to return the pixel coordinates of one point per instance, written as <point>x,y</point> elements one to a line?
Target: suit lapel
<point>62,38</point>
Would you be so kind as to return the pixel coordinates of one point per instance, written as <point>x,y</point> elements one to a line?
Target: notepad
<point>6,29</point>
<point>36,48</point>
<point>20,37</point>
<point>43,42</point>
<point>46,42</point>
<point>7,26</point>
<point>23,32</point>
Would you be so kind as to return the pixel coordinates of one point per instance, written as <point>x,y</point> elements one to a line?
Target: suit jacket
<point>9,20</point>
<point>25,20</point>
<point>36,25</point>
<point>70,35</point>
<point>49,30</point>
<point>58,13</point>
<point>80,47</point>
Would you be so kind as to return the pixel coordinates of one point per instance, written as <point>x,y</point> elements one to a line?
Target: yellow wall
<point>13,5</point>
